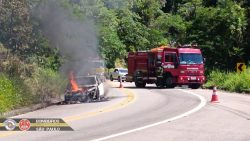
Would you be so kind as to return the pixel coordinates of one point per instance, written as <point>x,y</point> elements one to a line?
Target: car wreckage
<point>84,89</point>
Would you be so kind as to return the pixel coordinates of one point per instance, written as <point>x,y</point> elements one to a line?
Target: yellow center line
<point>130,98</point>
<point>42,124</point>
<point>8,133</point>
<point>48,124</point>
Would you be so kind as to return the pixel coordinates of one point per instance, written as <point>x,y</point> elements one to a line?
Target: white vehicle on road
<point>90,88</point>
<point>94,83</point>
<point>119,74</point>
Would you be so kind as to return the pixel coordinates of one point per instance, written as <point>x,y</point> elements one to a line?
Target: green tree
<point>16,29</point>
<point>106,21</point>
<point>137,28</point>
<point>218,30</point>
<point>173,27</point>
<point>110,44</point>
<point>132,32</point>
<point>172,6</point>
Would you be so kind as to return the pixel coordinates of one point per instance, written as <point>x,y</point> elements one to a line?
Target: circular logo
<point>9,124</point>
<point>24,125</point>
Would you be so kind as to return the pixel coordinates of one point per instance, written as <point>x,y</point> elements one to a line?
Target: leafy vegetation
<point>219,27</point>
<point>13,93</point>
<point>28,62</point>
<point>45,84</point>
<point>230,81</point>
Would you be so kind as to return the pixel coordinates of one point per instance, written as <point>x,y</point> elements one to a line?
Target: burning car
<point>84,89</point>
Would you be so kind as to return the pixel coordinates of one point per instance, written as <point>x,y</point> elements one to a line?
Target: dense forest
<point>37,37</point>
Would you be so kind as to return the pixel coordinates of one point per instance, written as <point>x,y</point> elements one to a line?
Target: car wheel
<point>98,98</point>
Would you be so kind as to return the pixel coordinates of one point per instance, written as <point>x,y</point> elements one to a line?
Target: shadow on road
<point>154,87</point>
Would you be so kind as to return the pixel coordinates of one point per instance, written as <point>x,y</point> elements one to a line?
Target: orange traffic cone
<point>121,86</point>
<point>215,98</point>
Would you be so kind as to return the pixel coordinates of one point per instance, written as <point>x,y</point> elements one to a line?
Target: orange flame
<point>74,85</point>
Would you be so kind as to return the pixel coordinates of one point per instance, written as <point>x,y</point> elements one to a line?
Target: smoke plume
<point>76,40</point>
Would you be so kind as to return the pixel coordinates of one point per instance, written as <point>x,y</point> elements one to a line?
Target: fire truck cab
<point>167,67</point>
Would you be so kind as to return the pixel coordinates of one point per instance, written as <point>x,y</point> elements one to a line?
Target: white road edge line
<point>197,108</point>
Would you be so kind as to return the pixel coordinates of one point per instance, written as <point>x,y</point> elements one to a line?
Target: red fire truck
<point>167,67</point>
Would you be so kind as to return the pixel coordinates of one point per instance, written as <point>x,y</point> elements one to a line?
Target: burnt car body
<point>91,88</point>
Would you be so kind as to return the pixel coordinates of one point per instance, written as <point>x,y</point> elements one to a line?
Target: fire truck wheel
<point>137,84</point>
<point>159,83</point>
<point>140,84</point>
<point>143,84</point>
<point>111,78</point>
<point>169,82</point>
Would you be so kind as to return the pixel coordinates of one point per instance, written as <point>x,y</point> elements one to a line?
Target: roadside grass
<point>41,87</point>
<point>8,95</point>
<point>46,84</point>
<point>13,93</point>
<point>229,81</point>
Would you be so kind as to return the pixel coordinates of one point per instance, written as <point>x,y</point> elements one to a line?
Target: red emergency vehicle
<point>167,67</point>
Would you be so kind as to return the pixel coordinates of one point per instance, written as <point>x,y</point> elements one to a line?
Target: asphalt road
<point>148,114</point>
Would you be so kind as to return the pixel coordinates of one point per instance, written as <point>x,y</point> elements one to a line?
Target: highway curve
<point>142,114</point>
